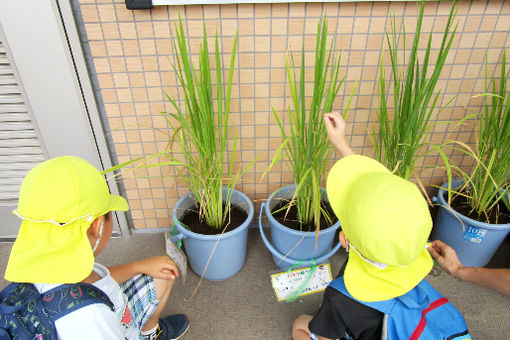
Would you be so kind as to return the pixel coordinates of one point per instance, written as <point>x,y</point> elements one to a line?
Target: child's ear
<point>95,226</point>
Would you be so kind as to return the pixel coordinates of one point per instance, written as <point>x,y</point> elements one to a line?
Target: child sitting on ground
<point>385,227</point>
<point>65,207</point>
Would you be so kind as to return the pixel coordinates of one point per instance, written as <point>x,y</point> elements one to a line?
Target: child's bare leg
<point>163,289</point>
<point>300,329</point>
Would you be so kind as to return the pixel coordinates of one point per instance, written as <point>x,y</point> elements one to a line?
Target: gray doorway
<point>55,112</point>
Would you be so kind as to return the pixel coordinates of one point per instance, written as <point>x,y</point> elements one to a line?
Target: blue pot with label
<point>475,242</point>
<point>216,257</point>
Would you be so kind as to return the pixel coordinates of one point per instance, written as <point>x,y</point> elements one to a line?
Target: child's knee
<point>301,324</point>
<point>162,286</point>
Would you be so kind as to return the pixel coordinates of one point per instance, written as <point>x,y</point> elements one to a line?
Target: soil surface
<point>498,215</point>
<point>197,225</point>
<point>290,219</point>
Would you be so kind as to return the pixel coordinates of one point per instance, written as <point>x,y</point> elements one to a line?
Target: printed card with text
<point>177,256</point>
<point>287,284</point>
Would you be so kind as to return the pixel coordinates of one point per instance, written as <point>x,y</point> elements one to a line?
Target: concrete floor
<point>245,306</point>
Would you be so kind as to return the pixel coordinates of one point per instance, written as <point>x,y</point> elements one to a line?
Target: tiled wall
<point>132,56</point>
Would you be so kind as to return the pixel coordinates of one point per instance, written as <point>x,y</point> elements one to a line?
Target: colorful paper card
<point>177,256</point>
<point>288,284</point>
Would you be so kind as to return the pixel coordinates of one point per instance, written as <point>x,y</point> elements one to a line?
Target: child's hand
<point>335,127</point>
<point>160,267</point>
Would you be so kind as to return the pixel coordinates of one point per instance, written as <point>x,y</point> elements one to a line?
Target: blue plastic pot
<point>230,252</point>
<point>475,242</point>
<point>289,246</point>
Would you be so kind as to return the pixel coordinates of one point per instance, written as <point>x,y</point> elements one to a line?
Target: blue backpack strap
<point>22,314</point>
<point>67,298</point>
<point>12,303</point>
<point>25,313</point>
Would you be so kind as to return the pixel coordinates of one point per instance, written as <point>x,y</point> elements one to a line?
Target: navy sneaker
<point>172,327</point>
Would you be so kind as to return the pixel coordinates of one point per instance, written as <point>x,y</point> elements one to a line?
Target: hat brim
<point>368,283</point>
<point>343,173</point>
<point>118,203</point>
<point>47,253</point>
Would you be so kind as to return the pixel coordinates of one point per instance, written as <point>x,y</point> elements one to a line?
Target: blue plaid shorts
<point>142,300</point>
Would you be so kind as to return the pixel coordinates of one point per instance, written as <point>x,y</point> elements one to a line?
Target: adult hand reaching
<point>494,278</point>
<point>446,257</point>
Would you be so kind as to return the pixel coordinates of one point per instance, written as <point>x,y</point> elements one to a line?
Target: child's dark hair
<point>107,216</point>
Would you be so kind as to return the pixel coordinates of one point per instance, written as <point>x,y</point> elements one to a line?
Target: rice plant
<point>487,182</point>
<point>401,132</point>
<point>203,128</point>
<point>305,146</point>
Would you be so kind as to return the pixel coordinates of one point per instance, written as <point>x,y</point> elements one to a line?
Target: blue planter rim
<point>229,234</point>
<point>298,233</point>
<point>465,219</point>
<point>287,260</point>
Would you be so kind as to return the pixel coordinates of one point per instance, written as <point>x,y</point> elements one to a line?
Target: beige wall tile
<point>94,31</point>
<point>160,13</point>
<point>262,11</point>
<point>89,13</point>
<point>144,30</point>
<point>127,30</point>
<point>106,13</point>
<point>98,48</point>
<point>111,31</point>
<point>114,48</point>
<point>132,56</point>
<point>147,47</point>
<point>136,79</point>
<point>121,80</point>
<point>142,15</point>
<point>279,26</point>
<point>228,11</point>
<point>494,7</point>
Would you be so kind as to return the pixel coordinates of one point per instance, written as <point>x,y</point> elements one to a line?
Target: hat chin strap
<point>378,265</point>
<point>88,216</point>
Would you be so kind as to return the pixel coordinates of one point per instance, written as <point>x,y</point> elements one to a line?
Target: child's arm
<point>446,257</point>
<point>335,126</point>
<point>161,267</point>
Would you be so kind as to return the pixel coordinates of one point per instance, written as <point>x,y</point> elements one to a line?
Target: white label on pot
<point>474,234</point>
<point>177,256</point>
<point>287,284</point>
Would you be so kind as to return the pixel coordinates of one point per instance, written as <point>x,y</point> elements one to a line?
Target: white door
<point>47,107</point>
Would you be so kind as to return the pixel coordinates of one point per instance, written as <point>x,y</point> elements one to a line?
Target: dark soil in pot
<point>290,218</point>
<point>498,215</point>
<point>197,225</point>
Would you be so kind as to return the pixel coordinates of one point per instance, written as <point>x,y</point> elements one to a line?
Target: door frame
<point>44,43</point>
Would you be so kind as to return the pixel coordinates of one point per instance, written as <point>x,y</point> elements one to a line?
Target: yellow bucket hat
<point>387,222</point>
<point>59,199</point>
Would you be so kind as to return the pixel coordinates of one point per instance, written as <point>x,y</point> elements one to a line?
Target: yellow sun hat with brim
<point>386,221</point>
<point>59,199</point>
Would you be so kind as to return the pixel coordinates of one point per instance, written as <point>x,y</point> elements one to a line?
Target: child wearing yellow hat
<point>385,226</point>
<point>65,207</point>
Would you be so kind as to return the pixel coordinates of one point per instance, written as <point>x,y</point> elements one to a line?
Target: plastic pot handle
<point>287,259</point>
<point>177,238</point>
